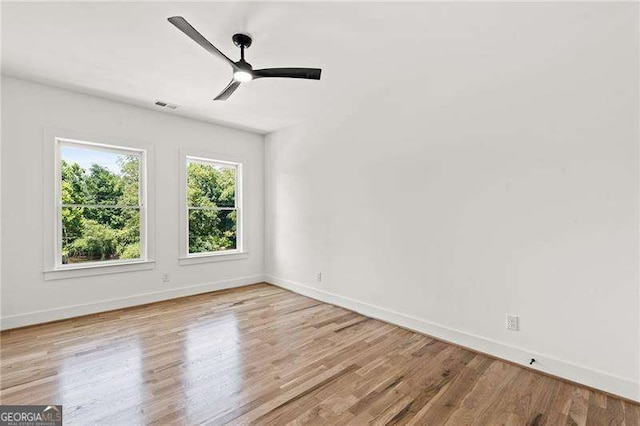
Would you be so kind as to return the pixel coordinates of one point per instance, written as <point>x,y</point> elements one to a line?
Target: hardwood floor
<point>263,355</point>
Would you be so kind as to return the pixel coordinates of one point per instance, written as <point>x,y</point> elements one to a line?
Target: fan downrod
<point>243,41</point>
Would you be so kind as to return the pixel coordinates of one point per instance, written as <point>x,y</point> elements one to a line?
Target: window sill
<point>212,257</point>
<point>90,270</point>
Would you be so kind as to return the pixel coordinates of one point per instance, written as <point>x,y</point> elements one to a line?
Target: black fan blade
<point>194,35</point>
<point>231,87</point>
<point>308,73</point>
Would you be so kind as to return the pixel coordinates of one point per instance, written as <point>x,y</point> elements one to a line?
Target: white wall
<point>503,180</point>
<point>28,109</point>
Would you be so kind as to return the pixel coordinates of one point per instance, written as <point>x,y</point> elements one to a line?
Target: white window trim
<point>53,267</point>
<point>240,252</point>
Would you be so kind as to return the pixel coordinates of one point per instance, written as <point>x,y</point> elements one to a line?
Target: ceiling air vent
<point>164,104</point>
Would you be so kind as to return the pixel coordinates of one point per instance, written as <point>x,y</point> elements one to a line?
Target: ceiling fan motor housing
<point>244,65</point>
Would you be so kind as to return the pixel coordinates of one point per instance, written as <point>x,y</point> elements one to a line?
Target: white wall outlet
<point>166,277</point>
<point>318,276</point>
<point>513,322</point>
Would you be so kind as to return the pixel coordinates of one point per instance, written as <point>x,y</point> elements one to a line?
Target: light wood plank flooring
<point>264,355</point>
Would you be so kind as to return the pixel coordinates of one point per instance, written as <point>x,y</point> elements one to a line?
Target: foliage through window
<point>212,206</point>
<point>100,198</point>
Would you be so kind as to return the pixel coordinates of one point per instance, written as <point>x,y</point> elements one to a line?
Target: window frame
<point>61,142</point>
<point>48,179</point>
<point>240,251</point>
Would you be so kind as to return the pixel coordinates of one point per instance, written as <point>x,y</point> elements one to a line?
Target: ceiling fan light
<point>242,76</point>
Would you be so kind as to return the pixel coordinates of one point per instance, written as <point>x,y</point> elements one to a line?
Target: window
<point>213,207</point>
<point>100,198</point>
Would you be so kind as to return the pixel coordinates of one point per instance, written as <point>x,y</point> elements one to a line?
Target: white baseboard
<point>123,302</point>
<point>589,377</point>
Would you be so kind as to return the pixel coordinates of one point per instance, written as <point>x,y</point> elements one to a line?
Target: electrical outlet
<point>166,277</point>
<point>513,322</point>
<point>319,276</point>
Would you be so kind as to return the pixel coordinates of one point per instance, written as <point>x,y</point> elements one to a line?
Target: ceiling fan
<point>242,70</point>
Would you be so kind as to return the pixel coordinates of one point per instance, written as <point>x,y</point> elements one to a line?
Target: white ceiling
<point>129,52</point>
